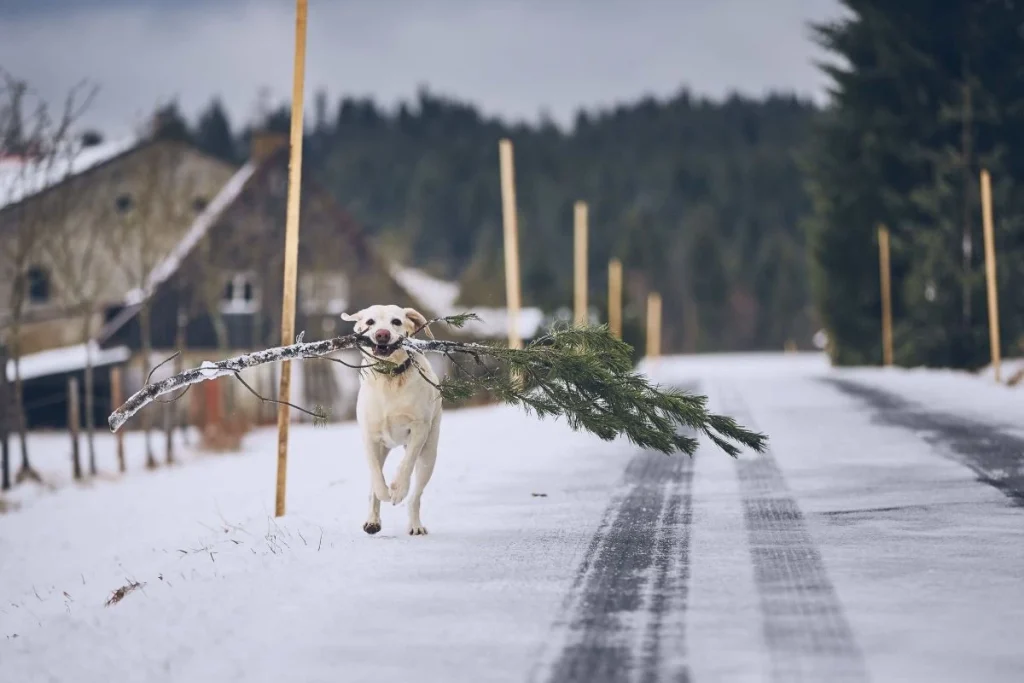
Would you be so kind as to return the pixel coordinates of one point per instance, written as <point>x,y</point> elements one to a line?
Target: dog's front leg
<point>376,451</point>
<point>418,434</point>
<point>372,524</point>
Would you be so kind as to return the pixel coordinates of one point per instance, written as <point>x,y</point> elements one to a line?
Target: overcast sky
<point>512,58</point>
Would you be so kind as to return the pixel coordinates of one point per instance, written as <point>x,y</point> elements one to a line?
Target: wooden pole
<point>291,250</point>
<point>74,426</point>
<point>579,269</point>
<point>116,399</point>
<point>615,297</point>
<point>990,272</point>
<point>653,325</point>
<point>883,260</point>
<point>6,409</point>
<point>510,220</point>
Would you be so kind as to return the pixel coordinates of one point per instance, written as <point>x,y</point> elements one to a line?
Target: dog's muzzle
<point>383,344</point>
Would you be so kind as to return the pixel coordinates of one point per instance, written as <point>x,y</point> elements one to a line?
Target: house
<point>79,229</point>
<point>77,226</point>
<point>197,246</point>
<point>185,253</point>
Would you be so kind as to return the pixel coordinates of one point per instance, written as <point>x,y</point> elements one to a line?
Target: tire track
<point>997,458</point>
<point>634,574</point>
<point>804,625</point>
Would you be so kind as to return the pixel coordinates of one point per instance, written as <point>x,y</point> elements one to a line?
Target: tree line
<point>754,217</point>
<point>702,200</point>
<point>923,96</point>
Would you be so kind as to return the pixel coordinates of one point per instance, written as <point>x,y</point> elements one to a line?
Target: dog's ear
<point>353,317</point>
<point>418,320</point>
<point>358,317</point>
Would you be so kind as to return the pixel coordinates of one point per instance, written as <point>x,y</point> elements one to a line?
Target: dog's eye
<point>396,322</point>
<point>369,322</point>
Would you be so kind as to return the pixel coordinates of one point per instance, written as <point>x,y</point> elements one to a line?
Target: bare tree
<point>39,145</point>
<point>75,246</point>
<point>149,214</point>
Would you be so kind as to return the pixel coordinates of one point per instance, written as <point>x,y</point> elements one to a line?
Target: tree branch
<point>583,374</point>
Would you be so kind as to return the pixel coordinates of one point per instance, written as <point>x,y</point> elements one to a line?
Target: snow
<point>209,370</point>
<point>440,296</point>
<point>66,359</point>
<point>244,596</point>
<point>1009,368</point>
<point>20,179</point>
<point>924,561</point>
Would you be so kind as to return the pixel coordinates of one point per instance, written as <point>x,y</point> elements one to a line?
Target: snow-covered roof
<point>440,296</point>
<point>200,226</point>
<point>66,359</point>
<point>170,264</point>
<point>22,178</point>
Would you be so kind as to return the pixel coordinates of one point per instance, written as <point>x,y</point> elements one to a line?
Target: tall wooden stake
<point>74,426</point>
<point>653,325</point>
<point>883,260</point>
<point>510,220</point>
<point>615,297</point>
<point>579,268</point>
<point>291,250</point>
<point>990,271</point>
<point>116,399</point>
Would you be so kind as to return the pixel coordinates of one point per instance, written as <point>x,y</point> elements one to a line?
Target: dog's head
<point>386,326</point>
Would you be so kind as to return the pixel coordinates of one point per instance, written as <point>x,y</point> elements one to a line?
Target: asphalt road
<point>630,612</point>
<point>881,539</point>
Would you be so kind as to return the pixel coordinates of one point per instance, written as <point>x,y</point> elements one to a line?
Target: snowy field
<point>881,539</point>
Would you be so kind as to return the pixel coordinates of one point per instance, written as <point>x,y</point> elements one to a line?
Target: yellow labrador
<point>397,406</point>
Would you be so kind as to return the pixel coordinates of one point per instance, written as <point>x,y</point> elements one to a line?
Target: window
<point>38,285</point>
<point>123,203</point>
<point>240,294</point>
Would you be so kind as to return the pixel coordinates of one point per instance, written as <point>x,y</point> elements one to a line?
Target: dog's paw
<point>418,530</point>
<point>371,527</point>
<point>399,490</point>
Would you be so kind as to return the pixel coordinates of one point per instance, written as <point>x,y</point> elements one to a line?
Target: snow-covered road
<point>881,539</point>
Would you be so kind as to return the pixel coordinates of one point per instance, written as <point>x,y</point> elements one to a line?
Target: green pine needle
<point>458,320</point>
<point>586,375</point>
<point>321,416</point>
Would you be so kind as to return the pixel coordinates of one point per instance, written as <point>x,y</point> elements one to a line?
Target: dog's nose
<point>382,336</point>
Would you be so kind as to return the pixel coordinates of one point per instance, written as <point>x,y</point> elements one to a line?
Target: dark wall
<point>46,399</point>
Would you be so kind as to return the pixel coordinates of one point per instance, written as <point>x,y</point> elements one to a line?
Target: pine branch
<point>583,374</point>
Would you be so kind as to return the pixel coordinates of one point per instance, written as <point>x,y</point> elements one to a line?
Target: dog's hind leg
<point>380,454</point>
<point>424,469</point>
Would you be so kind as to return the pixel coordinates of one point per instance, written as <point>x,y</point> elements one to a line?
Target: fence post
<point>884,268</point>
<point>615,297</point>
<point>510,221</point>
<point>116,399</point>
<point>5,426</point>
<point>990,272</point>
<point>653,325</point>
<point>579,268</point>
<point>74,420</point>
<point>291,250</point>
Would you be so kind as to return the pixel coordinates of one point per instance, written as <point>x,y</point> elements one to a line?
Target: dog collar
<point>396,370</point>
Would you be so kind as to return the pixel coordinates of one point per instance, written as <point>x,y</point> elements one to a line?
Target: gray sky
<point>510,58</point>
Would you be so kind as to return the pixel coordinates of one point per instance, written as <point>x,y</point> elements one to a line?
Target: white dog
<point>398,405</point>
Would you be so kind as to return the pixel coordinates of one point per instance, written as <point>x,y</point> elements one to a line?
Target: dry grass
<point>118,595</point>
<point>7,506</point>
